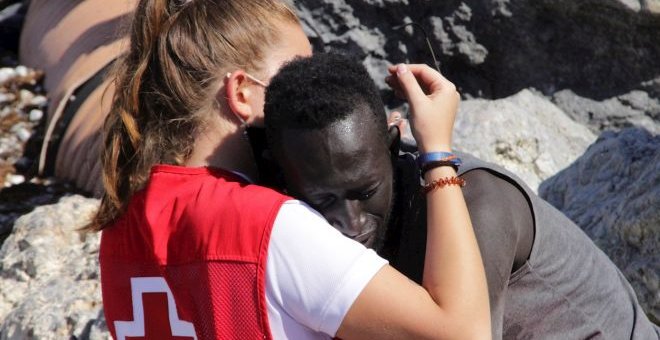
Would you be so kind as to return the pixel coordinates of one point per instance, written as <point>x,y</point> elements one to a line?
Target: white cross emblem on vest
<point>135,328</point>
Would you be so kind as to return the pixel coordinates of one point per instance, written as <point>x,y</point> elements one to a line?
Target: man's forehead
<point>344,151</point>
<point>349,137</point>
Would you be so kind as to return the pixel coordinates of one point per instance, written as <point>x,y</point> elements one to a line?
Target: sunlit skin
<point>246,104</point>
<point>344,171</point>
<point>294,43</point>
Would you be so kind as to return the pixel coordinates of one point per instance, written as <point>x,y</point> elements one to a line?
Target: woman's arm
<point>454,300</point>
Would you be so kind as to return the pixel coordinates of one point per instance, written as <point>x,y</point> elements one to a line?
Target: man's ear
<point>238,95</point>
<point>394,140</point>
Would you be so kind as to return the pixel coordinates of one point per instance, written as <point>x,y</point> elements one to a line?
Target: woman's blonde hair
<point>165,84</point>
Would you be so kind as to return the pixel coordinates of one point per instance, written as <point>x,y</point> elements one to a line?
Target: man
<point>326,125</point>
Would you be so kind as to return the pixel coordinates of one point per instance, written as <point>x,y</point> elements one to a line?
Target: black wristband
<point>436,164</point>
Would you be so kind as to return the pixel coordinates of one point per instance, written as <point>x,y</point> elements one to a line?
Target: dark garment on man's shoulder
<point>567,289</point>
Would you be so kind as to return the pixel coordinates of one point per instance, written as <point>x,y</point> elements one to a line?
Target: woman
<point>191,249</point>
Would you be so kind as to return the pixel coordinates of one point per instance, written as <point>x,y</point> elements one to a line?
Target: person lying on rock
<point>327,130</point>
<point>76,44</point>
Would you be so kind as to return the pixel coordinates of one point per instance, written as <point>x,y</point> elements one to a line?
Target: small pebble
<point>39,101</point>
<point>6,111</point>
<point>22,71</point>
<point>25,96</point>
<point>36,115</point>
<point>6,97</point>
<point>15,179</point>
<point>6,74</point>
<point>23,134</point>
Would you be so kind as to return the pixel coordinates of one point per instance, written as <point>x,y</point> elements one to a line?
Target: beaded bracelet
<point>442,182</point>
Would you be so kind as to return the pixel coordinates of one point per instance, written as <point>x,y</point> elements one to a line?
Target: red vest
<point>187,259</point>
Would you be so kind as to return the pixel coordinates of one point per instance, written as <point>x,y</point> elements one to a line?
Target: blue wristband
<point>428,161</point>
<point>429,157</point>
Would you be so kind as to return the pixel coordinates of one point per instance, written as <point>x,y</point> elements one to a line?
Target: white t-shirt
<point>313,274</point>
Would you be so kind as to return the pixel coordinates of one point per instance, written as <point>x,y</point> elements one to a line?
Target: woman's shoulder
<point>206,196</point>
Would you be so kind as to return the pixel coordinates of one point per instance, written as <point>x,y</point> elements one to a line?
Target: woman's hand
<point>433,103</point>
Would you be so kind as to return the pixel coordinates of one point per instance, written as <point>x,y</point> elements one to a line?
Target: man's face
<point>345,172</point>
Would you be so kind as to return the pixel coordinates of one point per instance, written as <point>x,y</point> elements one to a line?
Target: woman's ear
<point>238,93</point>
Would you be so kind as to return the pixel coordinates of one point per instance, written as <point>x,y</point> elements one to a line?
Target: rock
<point>496,48</point>
<point>7,97</point>
<point>49,275</point>
<point>23,134</point>
<point>525,133</point>
<point>633,109</point>
<point>35,115</point>
<point>613,193</point>
<point>14,180</point>
<point>462,41</point>
<point>6,74</point>
<point>25,96</point>
<point>39,101</point>
<point>652,6</point>
<point>22,71</point>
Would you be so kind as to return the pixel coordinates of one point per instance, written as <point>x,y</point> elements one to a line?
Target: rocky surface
<point>22,107</point>
<point>541,80</point>
<point>635,108</point>
<point>49,281</point>
<point>525,133</point>
<point>597,50</point>
<point>613,193</point>
<point>496,48</point>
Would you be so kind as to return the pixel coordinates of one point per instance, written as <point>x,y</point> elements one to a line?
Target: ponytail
<point>165,84</point>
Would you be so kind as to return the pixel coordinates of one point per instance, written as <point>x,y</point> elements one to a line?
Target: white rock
<point>6,97</point>
<point>6,74</point>
<point>23,134</point>
<point>35,115</point>
<point>525,133</point>
<point>5,111</point>
<point>25,95</point>
<point>39,101</point>
<point>22,71</point>
<point>49,287</point>
<point>13,179</point>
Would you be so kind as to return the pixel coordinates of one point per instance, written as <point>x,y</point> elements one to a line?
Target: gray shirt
<point>546,278</point>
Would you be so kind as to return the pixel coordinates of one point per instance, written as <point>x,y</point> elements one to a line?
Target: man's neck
<point>405,240</point>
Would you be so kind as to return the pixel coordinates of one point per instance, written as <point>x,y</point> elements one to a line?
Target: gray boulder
<point>49,275</point>
<point>633,109</point>
<point>492,49</point>
<point>613,193</point>
<point>525,133</point>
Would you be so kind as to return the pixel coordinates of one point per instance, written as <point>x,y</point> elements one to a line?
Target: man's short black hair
<point>313,92</point>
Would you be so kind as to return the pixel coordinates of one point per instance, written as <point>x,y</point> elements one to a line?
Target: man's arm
<point>504,227</point>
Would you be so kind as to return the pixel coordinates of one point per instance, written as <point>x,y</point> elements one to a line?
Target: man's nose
<point>348,218</point>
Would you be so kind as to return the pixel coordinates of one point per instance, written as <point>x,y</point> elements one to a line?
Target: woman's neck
<point>224,147</point>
